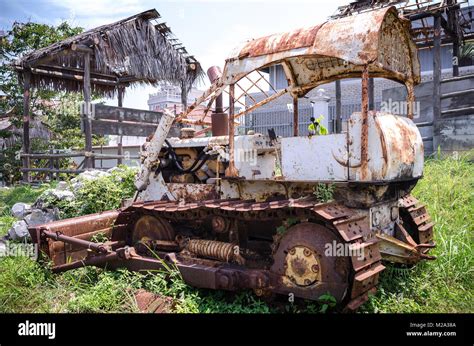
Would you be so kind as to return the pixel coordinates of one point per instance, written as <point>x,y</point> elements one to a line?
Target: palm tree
<point>467,50</point>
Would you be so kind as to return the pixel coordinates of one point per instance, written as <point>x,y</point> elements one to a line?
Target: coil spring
<point>218,250</point>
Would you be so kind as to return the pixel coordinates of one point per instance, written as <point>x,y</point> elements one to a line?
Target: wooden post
<point>89,161</point>
<point>121,92</point>
<point>295,117</point>
<point>338,128</point>
<point>436,78</point>
<point>26,123</point>
<point>231,171</point>
<point>184,97</point>
<point>453,25</point>
<point>455,56</point>
<point>51,165</point>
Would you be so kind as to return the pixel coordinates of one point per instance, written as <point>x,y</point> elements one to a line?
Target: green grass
<point>444,285</point>
<point>447,284</point>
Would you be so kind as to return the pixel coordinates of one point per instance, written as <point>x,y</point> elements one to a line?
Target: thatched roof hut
<point>137,49</point>
<point>104,61</point>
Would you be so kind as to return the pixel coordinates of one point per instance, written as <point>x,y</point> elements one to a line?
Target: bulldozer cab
<point>373,147</point>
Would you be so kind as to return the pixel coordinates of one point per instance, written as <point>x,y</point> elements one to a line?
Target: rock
<point>153,303</point>
<point>77,182</point>
<point>48,198</point>
<point>115,169</point>
<point>3,248</point>
<point>38,217</point>
<point>62,185</point>
<point>19,231</point>
<point>76,185</point>
<point>20,210</point>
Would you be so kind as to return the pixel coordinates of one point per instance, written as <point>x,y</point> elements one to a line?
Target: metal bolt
<point>315,268</point>
<point>224,281</point>
<point>292,251</point>
<point>307,281</point>
<point>307,252</point>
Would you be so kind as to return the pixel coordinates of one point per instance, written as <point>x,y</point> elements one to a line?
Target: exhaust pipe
<point>219,119</point>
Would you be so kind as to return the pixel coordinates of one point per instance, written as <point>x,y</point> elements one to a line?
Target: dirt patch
<point>149,302</point>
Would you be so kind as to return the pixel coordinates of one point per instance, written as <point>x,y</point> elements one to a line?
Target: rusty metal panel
<point>335,49</point>
<point>315,158</point>
<point>193,192</point>
<point>276,43</point>
<point>395,148</point>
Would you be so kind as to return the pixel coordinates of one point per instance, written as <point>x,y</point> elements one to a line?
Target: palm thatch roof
<point>137,49</point>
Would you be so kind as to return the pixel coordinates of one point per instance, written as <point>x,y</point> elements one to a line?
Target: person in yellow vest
<point>316,128</point>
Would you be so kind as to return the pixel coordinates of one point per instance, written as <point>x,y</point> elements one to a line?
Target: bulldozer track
<point>350,227</point>
<point>415,214</point>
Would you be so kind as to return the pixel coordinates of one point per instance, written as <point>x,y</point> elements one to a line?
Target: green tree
<point>58,110</point>
<point>22,39</point>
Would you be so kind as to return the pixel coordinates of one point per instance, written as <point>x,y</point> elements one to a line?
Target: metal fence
<point>280,118</point>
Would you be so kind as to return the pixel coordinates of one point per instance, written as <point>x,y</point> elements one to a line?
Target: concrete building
<point>169,97</point>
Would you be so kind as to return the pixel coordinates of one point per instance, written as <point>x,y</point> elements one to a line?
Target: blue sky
<point>209,29</point>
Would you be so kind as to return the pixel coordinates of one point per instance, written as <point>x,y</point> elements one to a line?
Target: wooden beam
<point>80,47</point>
<point>76,77</point>
<point>86,116</point>
<point>53,155</point>
<point>104,112</point>
<point>453,24</point>
<point>74,71</point>
<point>121,92</point>
<point>26,123</point>
<point>48,170</point>
<point>436,78</point>
<point>101,127</point>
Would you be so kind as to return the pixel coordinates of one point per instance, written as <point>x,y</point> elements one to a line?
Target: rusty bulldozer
<point>229,224</point>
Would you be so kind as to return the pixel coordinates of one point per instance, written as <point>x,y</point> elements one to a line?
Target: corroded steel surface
<point>394,148</point>
<point>341,221</point>
<point>337,49</point>
<point>415,216</point>
<point>353,228</point>
<point>299,266</point>
<point>300,38</point>
<point>333,50</point>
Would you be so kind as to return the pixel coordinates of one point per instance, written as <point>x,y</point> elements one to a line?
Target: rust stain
<point>276,43</point>
<point>193,192</point>
<point>382,143</point>
<point>364,151</point>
